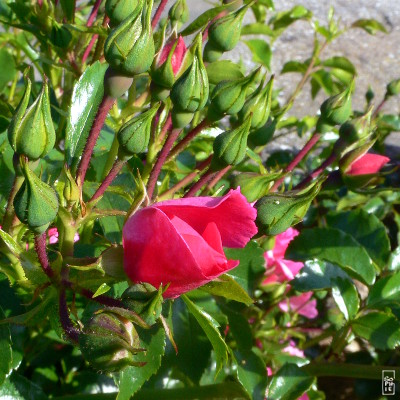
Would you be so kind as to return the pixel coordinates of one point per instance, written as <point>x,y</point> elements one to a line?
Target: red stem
<point>187,139</point>
<point>94,133</point>
<point>167,127</point>
<point>155,172</point>
<point>102,299</point>
<point>158,13</point>
<point>217,177</point>
<point>304,151</point>
<point>89,48</point>
<point>200,183</point>
<point>65,320</point>
<point>108,179</point>
<point>40,247</point>
<point>94,12</point>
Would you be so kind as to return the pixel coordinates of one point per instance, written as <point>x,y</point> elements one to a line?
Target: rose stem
<point>217,177</point>
<point>379,107</point>
<point>155,172</point>
<point>65,320</point>
<point>208,175</point>
<point>167,126</point>
<point>304,151</point>
<point>40,247</point>
<point>318,171</point>
<point>108,179</point>
<point>100,118</point>
<point>187,179</point>
<point>100,42</point>
<point>94,12</point>
<point>188,138</point>
<point>158,13</point>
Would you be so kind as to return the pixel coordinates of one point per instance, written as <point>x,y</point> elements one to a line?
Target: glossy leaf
<point>223,70</point>
<point>285,18</point>
<point>342,63</point>
<point>370,26</point>
<point>17,387</point>
<point>336,247</point>
<point>289,383</point>
<point>261,51</point>
<point>8,68</point>
<point>294,66</point>
<point>210,327</point>
<point>251,373</point>
<point>385,292</point>
<point>346,297</point>
<point>86,98</point>
<point>131,379</point>
<point>367,229</point>
<point>5,349</point>
<point>257,28</point>
<point>394,260</point>
<point>380,329</point>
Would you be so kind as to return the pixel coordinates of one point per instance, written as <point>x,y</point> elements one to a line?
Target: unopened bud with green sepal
<point>36,203</point>
<point>357,129</point>
<point>224,33</point>
<point>278,212</point>
<point>228,97</point>
<point>179,13</point>
<point>71,190</point>
<point>230,147</point>
<point>258,104</point>
<point>134,136</point>
<point>109,342</point>
<point>119,10</point>
<point>336,110</point>
<point>393,88</point>
<point>31,131</point>
<point>129,48</point>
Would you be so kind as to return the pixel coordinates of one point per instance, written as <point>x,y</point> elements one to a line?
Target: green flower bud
<point>230,147</point>
<point>393,88</point>
<point>118,10</point>
<point>224,33</point>
<point>71,191</point>
<point>337,109</point>
<point>181,119</point>
<point>36,203</point>
<point>134,136</point>
<point>129,48</point>
<point>145,300</point>
<point>190,92</point>
<point>60,35</point>
<point>322,126</point>
<point>179,13</point>
<point>44,13</point>
<point>109,342</point>
<point>31,131</point>
<point>369,95</point>
<point>261,136</point>
<point>228,97</point>
<point>211,53</point>
<point>258,104</point>
<point>358,129</point>
<point>278,212</point>
<point>115,84</point>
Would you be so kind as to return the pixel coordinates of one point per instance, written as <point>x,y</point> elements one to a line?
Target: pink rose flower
<point>279,269</point>
<point>53,236</point>
<point>177,56</point>
<point>300,304</point>
<point>367,164</point>
<point>293,350</point>
<point>179,242</point>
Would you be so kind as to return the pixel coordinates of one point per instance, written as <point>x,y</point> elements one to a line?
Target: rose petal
<point>367,164</point>
<point>282,242</point>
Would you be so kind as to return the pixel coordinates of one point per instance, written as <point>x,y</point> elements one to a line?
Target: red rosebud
<point>177,55</point>
<point>179,242</point>
<point>367,164</point>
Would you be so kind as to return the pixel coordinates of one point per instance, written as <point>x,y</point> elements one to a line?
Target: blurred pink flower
<point>293,350</point>
<point>279,269</point>
<point>300,304</point>
<point>53,236</point>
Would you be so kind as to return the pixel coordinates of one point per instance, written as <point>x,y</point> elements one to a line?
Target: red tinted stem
<point>40,247</point>
<point>158,13</point>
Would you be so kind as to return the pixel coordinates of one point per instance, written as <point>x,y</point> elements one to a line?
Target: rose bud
<point>211,53</point>
<point>109,342</point>
<point>166,66</point>
<point>31,131</point>
<point>190,92</point>
<point>36,203</point>
<point>179,242</point>
<point>129,48</point>
<point>393,88</point>
<point>337,109</point>
<point>134,135</point>
<point>118,10</point>
<point>230,147</point>
<point>228,97</point>
<point>179,13</point>
<point>258,104</point>
<point>71,191</point>
<point>278,212</point>
<point>357,129</point>
<point>224,33</point>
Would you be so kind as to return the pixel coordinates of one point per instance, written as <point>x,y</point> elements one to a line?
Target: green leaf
<point>257,28</point>
<point>68,7</point>
<point>17,387</point>
<point>226,286</point>
<point>252,185</point>
<point>8,68</point>
<point>251,266</point>
<point>336,247</point>
<point>346,297</point>
<point>86,98</point>
<point>210,327</point>
<point>261,52</point>
<point>283,19</point>
<point>366,229</point>
<point>239,327</point>
<point>385,292</point>
<point>223,70</point>
<point>131,379</point>
<point>5,349</point>
<point>394,260</point>
<point>370,26</point>
<point>317,275</point>
<point>380,329</point>
<point>289,383</point>
<point>103,288</point>
<point>342,63</point>
<point>294,66</point>
<point>251,373</point>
